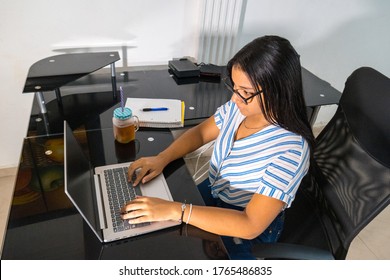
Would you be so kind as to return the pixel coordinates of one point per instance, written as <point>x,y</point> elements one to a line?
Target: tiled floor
<point>371,244</point>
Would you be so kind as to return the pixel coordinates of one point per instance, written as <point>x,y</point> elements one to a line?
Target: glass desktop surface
<point>89,100</point>
<point>56,71</point>
<point>94,108</point>
<point>49,227</point>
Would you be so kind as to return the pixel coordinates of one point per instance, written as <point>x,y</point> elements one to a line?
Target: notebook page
<point>173,117</point>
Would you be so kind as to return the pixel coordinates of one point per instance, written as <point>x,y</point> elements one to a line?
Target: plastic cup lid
<point>122,115</point>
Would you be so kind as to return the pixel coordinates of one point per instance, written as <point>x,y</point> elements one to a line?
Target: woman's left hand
<point>150,209</point>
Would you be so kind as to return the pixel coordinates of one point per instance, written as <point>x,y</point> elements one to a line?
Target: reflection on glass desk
<point>47,226</point>
<point>39,186</point>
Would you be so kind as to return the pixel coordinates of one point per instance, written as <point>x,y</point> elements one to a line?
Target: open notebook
<point>172,117</point>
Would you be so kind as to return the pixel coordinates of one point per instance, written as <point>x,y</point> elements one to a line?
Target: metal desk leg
<point>41,102</point>
<point>113,79</point>
<point>42,107</point>
<point>59,98</point>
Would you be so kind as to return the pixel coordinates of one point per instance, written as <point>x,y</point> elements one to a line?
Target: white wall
<point>152,31</point>
<point>333,37</point>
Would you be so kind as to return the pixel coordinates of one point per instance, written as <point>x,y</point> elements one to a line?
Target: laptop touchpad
<point>156,188</point>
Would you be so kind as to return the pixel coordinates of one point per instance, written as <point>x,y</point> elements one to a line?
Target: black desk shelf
<point>54,72</point>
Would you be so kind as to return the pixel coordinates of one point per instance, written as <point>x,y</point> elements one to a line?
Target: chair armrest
<point>289,252</point>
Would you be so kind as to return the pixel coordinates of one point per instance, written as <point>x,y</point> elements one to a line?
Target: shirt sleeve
<point>220,114</point>
<point>284,175</point>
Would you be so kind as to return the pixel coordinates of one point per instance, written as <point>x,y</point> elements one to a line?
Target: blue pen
<point>155,109</point>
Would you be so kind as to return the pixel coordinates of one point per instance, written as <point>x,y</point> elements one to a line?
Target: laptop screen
<point>79,185</point>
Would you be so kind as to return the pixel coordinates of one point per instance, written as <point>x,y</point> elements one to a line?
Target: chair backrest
<point>351,182</point>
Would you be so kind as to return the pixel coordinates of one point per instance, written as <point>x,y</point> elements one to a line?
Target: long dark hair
<point>273,65</point>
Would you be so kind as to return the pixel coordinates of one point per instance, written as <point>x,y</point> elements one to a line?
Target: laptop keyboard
<point>120,191</point>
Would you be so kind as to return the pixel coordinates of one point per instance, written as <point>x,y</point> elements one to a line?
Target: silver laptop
<point>100,193</point>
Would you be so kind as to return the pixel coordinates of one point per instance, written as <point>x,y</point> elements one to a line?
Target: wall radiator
<point>221,22</point>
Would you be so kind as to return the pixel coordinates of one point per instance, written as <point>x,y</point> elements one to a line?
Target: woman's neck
<point>249,126</point>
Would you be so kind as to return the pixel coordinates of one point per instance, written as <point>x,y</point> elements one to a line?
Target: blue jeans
<point>240,249</point>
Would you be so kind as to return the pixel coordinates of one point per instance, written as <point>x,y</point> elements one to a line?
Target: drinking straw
<point>122,99</point>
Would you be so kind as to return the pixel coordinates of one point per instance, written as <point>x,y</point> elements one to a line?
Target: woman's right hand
<point>147,168</point>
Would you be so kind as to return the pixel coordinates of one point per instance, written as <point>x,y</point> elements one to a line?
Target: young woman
<point>261,152</point>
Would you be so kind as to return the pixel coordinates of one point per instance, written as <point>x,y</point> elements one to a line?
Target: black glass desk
<point>47,226</point>
<point>202,97</point>
<point>53,72</point>
<point>43,224</point>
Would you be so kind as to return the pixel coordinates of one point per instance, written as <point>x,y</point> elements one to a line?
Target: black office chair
<point>350,184</point>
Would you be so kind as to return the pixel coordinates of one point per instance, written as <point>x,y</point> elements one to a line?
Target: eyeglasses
<point>246,100</point>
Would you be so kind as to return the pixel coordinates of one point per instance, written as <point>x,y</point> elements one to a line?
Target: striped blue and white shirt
<point>270,162</point>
